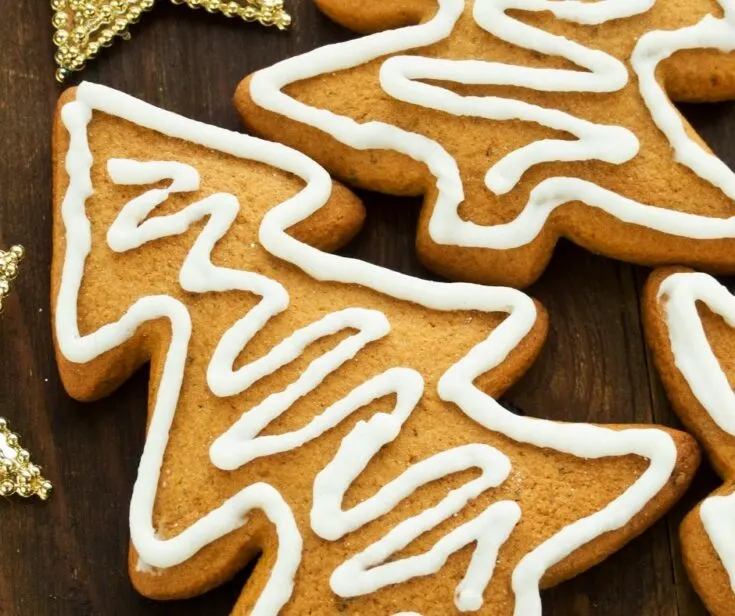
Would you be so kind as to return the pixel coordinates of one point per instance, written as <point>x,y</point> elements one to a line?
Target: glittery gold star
<point>18,475</point>
<point>84,27</point>
<point>9,262</point>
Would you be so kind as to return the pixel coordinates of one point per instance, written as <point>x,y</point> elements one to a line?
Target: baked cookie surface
<point>520,122</point>
<point>337,418</point>
<point>689,318</point>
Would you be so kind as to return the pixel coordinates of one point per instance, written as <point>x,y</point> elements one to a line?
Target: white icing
<point>364,573</point>
<point>693,354</point>
<point>239,444</point>
<point>718,513</point>
<point>229,516</point>
<point>655,47</point>
<point>695,359</point>
<point>399,77</point>
<point>136,225</point>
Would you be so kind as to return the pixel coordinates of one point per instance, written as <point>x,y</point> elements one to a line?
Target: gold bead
<point>93,49</point>
<point>61,58</point>
<point>250,14</point>
<point>7,488</point>
<point>44,490</point>
<point>79,35</point>
<point>134,14</point>
<point>61,37</point>
<point>18,252</point>
<point>119,26</point>
<point>58,5</point>
<point>60,20</point>
<point>12,440</point>
<point>9,267</point>
<point>23,456</point>
<point>3,424</point>
<point>106,36</point>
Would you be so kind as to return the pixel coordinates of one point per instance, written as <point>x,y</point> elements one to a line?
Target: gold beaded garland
<point>9,262</point>
<point>18,475</point>
<point>84,27</point>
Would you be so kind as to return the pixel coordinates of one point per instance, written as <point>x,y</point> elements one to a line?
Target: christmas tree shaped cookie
<point>520,122</point>
<point>335,417</point>
<point>689,318</point>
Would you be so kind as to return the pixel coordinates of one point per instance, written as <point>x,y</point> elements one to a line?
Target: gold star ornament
<point>84,27</point>
<point>9,262</point>
<point>18,475</point>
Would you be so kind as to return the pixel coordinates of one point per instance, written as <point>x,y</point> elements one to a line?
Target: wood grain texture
<point>68,557</point>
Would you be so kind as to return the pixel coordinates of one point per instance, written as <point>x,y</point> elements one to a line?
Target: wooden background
<point>68,557</point>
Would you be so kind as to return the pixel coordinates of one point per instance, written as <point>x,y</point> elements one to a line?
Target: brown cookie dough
<point>686,306</point>
<point>449,124</point>
<point>163,274</point>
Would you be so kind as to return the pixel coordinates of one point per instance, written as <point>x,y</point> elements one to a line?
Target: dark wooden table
<point>68,557</point>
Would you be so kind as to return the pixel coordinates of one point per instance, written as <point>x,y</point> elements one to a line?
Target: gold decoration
<point>84,27</point>
<point>18,475</point>
<point>9,262</point>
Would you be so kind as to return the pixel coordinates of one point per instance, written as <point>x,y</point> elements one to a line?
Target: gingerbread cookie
<point>689,320</point>
<point>335,416</point>
<point>521,121</point>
